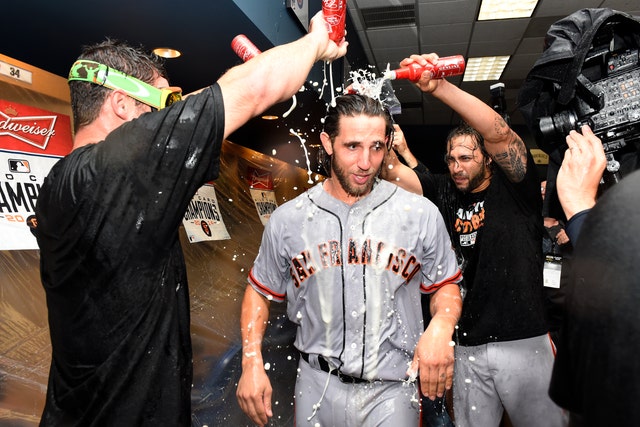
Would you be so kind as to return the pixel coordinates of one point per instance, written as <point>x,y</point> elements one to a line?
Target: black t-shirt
<point>497,234</point>
<point>596,371</point>
<point>113,269</point>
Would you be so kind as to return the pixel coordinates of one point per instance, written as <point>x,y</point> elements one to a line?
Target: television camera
<point>607,98</point>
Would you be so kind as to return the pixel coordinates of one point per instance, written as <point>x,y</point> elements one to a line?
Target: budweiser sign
<point>260,179</point>
<point>34,130</point>
<point>29,129</point>
<point>32,140</point>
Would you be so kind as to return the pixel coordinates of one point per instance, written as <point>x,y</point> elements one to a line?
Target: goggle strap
<point>94,72</point>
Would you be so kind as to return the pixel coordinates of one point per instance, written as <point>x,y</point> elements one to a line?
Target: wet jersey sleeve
<point>440,266</point>
<point>151,167</point>
<point>270,272</point>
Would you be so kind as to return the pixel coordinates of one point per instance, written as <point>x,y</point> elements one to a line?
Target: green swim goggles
<point>94,72</point>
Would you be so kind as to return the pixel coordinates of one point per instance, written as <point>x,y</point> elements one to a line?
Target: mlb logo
<point>19,166</point>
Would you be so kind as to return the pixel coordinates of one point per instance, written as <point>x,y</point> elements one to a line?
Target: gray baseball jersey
<point>353,275</point>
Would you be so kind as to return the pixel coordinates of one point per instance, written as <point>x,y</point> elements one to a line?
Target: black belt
<point>324,366</point>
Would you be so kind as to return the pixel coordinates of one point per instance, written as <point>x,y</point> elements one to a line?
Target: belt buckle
<point>348,379</point>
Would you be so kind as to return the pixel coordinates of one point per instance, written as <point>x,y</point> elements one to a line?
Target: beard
<point>474,180</point>
<point>343,178</point>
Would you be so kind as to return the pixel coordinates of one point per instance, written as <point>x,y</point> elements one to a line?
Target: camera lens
<point>556,127</point>
<point>564,122</point>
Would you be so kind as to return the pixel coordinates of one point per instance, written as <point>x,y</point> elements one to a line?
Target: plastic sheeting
<point>217,272</point>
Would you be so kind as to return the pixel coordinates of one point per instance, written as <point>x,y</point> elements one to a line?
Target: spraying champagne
<point>445,67</point>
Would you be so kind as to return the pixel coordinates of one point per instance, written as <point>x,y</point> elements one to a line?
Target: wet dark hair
<point>87,98</point>
<point>464,129</point>
<point>352,105</point>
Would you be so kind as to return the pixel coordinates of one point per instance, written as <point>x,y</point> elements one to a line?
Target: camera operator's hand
<point>561,237</point>
<point>580,172</point>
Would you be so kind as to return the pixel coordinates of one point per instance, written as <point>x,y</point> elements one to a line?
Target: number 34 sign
<point>15,72</point>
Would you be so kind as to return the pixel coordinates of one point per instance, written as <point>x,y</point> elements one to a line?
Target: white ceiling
<point>449,27</point>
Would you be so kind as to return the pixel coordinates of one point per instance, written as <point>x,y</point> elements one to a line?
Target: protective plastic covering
<point>217,272</point>
<point>551,84</point>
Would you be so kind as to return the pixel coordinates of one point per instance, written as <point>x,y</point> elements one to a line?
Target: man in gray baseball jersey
<point>352,257</point>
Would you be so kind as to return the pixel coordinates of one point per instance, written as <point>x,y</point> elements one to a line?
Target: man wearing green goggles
<point>94,72</point>
<point>108,216</point>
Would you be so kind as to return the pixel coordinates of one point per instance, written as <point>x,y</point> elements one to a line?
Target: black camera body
<point>607,99</point>
<point>588,73</point>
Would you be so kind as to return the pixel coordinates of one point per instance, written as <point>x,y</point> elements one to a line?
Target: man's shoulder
<point>69,165</point>
<point>295,204</point>
<point>403,199</point>
<point>435,180</point>
<point>527,188</point>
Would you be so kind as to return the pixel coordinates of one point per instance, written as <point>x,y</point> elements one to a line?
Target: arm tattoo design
<point>513,161</point>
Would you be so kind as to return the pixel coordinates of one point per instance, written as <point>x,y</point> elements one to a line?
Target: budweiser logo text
<point>33,130</point>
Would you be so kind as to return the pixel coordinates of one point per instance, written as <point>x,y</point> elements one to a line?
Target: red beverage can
<point>445,67</point>
<point>449,66</point>
<point>243,47</point>
<point>335,14</point>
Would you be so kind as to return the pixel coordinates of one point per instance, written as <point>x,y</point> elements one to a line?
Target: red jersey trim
<point>449,281</point>
<point>263,289</point>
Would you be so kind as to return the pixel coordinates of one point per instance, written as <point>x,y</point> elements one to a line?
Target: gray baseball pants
<point>322,400</point>
<point>510,376</point>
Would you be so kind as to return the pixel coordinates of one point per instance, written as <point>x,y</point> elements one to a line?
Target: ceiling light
<point>167,52</point>
<point>484,68</point>
<point>506,9</point>
<point>269,117</point>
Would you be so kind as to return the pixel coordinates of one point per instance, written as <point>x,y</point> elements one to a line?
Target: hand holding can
<point>445,67</point>
<point>335,14</point>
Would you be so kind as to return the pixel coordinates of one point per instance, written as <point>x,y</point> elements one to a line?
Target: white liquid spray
<point>306,153</point>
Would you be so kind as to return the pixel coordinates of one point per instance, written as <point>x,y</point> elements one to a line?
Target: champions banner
<point>32,140</point>
<point>261,189</point>
<point>202,220</point>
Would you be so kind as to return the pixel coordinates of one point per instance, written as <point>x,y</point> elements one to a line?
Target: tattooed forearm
<point>501,127</point>
<point>513,161</point>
